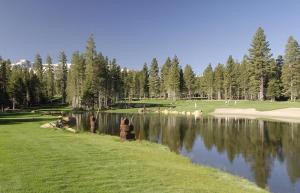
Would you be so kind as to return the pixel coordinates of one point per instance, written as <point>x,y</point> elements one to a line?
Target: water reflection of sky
<point>211,157</point>
<point>278,180</point>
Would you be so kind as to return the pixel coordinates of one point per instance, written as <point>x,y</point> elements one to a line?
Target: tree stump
<point>93,124</point>
<point>126,130</point>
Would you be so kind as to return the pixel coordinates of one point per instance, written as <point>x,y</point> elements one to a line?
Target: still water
<point>265,152</point>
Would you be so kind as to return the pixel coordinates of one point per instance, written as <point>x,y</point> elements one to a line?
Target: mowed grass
<point>208,106</point>
<point>33,159</point>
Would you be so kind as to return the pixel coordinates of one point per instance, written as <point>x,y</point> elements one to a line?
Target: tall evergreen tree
<point>182,86</point>
<point>273,88</point>
<point>100,82</point>
<point>38,69</point>
<point>144,82</point>
<point>174,79</point>
<point>115,80</point>
<point>164,77</point>
<point>49,77</point>
<point>3,84</point>
<point>291,69</point>
<point>259,58</point>
<point>229,78</point>
<point>16,87</point>
<point>189,79</point>
<point>154,79</point>
<point>63,75</point>
<point>238,79</point>
<point>27,80</point>
<point>279,64</point>
<point>75,80</point>
<point>208,78</point>
<point>244,77</point>
<point>89,90</point>
<point>219,80</point>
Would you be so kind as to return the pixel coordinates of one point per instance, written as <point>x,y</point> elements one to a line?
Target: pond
<point>265,152</point>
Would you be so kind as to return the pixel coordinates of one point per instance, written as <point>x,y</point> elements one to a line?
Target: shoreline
<point>285,114</point>
<point>171,171</point>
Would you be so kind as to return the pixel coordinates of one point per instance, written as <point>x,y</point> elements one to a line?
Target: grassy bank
<point>209,106</point>
<point>47,160</point>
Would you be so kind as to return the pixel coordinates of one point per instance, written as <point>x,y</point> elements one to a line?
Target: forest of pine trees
<point>95,81</point>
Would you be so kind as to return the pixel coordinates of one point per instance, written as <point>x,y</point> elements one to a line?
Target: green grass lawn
<point>33,159</point>
<point>208,106</point>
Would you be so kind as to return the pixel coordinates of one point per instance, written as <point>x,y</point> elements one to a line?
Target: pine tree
<point>174,79</point>
<point>208,78</point>
<point>219,80</point>
<point>89,91</point>
<point>131,84</point>
<point>273,88</point>
<point>100,82</point>
<point>201,87</point>
<point>244,77</point>
<point>144,82</point>
<point>38,69</point>
<point>63,75</point>
<point>182,86</point>
<point>16,87</point>
<point>27,88</point>
<point>164,75</point>
<point>259,58</point>
<point>154,79</point>
<point>229,78</point>
<point>291,69</point>
<point>189,79</point>
<point>124,78</point>
<point>279,64</point>
<point>75,80</point>
<point>49,78</point>
<point>3,84</point>
<point>33,85</point>
<point>115,80</point>
<point>238,77</point>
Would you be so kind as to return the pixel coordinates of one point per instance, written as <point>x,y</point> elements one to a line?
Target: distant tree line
<point>95,81</point>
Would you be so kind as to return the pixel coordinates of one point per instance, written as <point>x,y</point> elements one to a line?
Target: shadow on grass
<point>11,121</point>
<point>8,114</point>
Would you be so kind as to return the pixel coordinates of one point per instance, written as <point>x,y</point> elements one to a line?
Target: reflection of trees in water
<point>173,132</point>
<point>291,149</point>
<point>190,133</point>
<point>258,142</point>
<point>154,128</point>
<point>259,156</point>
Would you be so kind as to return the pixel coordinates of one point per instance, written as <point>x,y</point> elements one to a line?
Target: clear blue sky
<point>135,31</point>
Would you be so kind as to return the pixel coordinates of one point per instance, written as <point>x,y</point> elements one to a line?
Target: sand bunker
<point>287,114</point>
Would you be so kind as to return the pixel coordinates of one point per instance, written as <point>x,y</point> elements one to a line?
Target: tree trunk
<point>245,95</point>
<point>219,95</point>
<point>230,92</point>
<point>99,101</point>
<point>261,89</point>
<point>14,103</point>
<point>292,94</point>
